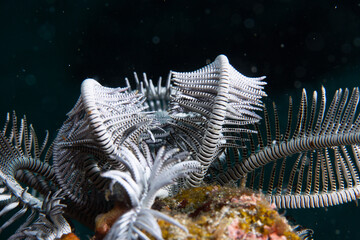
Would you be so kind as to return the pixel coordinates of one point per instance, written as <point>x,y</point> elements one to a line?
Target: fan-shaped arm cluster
<point>316,163</point>
<point>210,106</point>
<point>200,127</point>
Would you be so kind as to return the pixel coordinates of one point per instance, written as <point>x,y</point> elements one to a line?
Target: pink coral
<point>234,231</point>
<point>274,236</point>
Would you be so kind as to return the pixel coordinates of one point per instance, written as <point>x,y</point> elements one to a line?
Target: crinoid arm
<point>315,162</point>
<point>102,120</point>
<point>24,161</point>
<point>50,224</point>
<point>143,183</point>
<point>157,98</point>
<point>210,108</point>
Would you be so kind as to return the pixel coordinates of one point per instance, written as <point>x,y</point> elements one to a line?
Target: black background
<point>48,47</point>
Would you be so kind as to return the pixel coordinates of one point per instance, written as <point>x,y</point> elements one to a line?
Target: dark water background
<point>48,47</point>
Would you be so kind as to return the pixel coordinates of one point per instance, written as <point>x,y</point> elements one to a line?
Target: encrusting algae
<point>214,212</point>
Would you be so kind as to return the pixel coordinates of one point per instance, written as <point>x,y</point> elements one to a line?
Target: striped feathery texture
<point>148,177</point>
<point>102,120</point>
<point>50,224</point>
<point>23,161</point>
<point>314,162</point>
<point>150,141</point>
<point>116,116</point>
<point>157,103</point>
<point>210,106</point>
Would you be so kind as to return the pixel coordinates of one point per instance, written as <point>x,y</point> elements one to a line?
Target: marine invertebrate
<point>50,224</point>
<point>21,162</point>
<point>213,103</point>
<point>121,148</point>
<point>103,120</point>
<point>321,154</point>
<point>145,182</point>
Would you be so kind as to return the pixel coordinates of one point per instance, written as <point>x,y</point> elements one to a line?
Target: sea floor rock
<point>214,212</point>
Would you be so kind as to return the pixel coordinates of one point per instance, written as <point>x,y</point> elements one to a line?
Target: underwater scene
<point>252,132</point>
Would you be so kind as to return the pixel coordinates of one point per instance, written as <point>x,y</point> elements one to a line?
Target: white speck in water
<point>155,40</point>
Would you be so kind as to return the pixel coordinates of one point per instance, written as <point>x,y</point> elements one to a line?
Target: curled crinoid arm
<point>23,203</point>
<point>210,108</point>
<point>315,162</point>
<point>50,224</point>
<point>102,120</point>
<point>111,113</point>
<point>143,183</point>
<point>21,162</point>
<point>20,153</point>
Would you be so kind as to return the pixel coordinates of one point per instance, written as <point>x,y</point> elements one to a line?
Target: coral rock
<point>214,212</point>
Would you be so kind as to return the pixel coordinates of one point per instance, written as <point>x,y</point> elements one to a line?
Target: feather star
<point>126,147</point>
